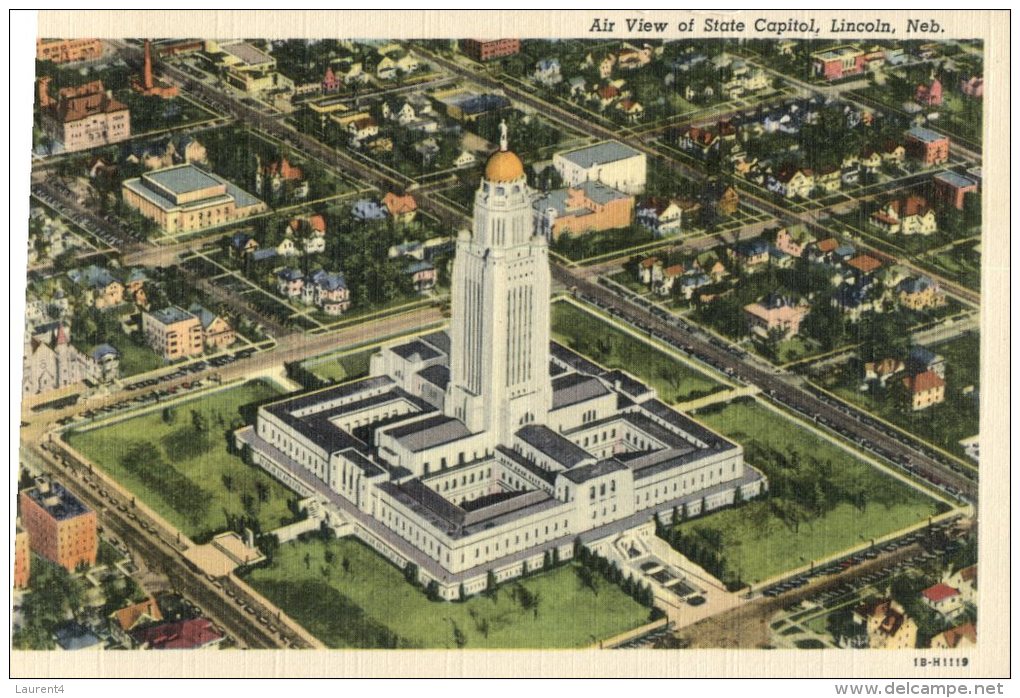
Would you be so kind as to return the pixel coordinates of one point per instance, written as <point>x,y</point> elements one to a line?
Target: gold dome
<point>503,166</point>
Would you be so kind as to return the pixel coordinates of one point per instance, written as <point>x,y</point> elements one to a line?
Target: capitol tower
<point>499,350</point>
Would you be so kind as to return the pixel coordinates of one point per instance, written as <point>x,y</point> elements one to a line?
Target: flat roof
<point>925,134</point>
<point>246,52</point>
<point>955,179</point>
<point>182,179</point>
<point>56,500</point>
<point>600,154</point>
<point>429,432</point>
<point>558,447</point>
<point>590,472</point>
<point>572,388</point>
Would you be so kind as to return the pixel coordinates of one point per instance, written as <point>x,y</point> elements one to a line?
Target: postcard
<point>624,344</point>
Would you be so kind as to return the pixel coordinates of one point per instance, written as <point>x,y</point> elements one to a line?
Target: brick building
<point>83,117</point>
<point>60,527</point>
<point>588,207</point>
<point>927,146</point>
<point>487,50</point>
<point>68,50</point>
<point>173,333</point>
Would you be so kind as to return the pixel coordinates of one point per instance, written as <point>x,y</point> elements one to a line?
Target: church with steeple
<point>486,447</point>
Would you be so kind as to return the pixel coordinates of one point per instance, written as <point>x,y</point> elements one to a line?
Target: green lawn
<point>595,338</point>
<point>592,244</point>
<point>754,539</point>
<point>342,368</point>
<point>371,605</point>
<point>943,425</point>
<point>135,359</point>
<point>180,472</point>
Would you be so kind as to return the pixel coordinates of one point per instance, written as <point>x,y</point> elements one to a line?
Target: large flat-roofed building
<point>612,163</point>
<point>484,448</point>
<point>927,146</point>
<point>173,333</point>
<point>60,527</point>
<point>68,50</point>
<point>588,207</point>
<point>22,559</point>
<point>490,49</point>
<point>184,198</point>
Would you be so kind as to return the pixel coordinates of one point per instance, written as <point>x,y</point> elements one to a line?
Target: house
<point>216,330</point>
<point>363,129</point>
<point>266,255</point>
<point>102,290</point>
<point>423,275</point>
<point>242,244</point>
<point>398,110</point>
<point>631,109</point>
<point>310,233</point>
<point>973,86</point>
<point>134,287</point>
<point>721,198</point>
<point>854,299</point>
<point>929,95</point>
<point>952,188</point>
<point>401,209</point>
<point>413,249</point>
<point>775,313</point>
<point>864,264</point>
<point>699,141</point>
<point>943,599</point>
<point>190,634</point>
<point>887,624</point>
<point>792,182</point>
<point>965,581</point>
<point>273,175</point>
<point>870,160</point>
<point>920,293</point>
<point>650,271</point>
<point>924,390</point>
<point>669,277</point>
<point>794,239</point>
<point>287,248</point>
<point>961,637</point>
<point>829,179</point>
<point>102,364</point>
<point>927,146</point>
<point>666,216</point>
<point>750,253</point>
<point>893,152</point>
<point>173,333</point>
<point>881,371</point>
<point>910,215</point>
<point>130,618</point>
<point>547,72</point>
<point>587,207</point>
<point>290,282</point>
<point>921,359</point>
<point>710,264</point>
<point>328,291</point>
<point>368,210</point>
<point>691,282</point>
<point>428,148</point>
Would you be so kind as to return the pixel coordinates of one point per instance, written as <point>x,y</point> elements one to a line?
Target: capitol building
<point>484,448</point>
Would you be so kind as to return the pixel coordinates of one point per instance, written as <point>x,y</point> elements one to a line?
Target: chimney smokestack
<point>147,76</point>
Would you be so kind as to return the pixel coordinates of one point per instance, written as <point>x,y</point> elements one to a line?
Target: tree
<point>345,564</point>
<point>411,573</point>
<point>228,482</point>
<point>262,491</point>
<point>169,415</point>
<point>199,422</point>
<point>587,578</point>
<point>490,584</point>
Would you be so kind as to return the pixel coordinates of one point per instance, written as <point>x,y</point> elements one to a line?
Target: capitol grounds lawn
<point>943,425</point>
<point>371,605</point>
<point>180,472</point>
<point>341,368</point>
<point>755,541</point>
<point>593,337</point>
